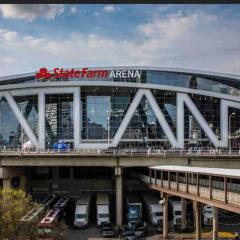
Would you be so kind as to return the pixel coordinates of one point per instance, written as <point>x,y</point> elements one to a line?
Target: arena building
<point>122,109</point>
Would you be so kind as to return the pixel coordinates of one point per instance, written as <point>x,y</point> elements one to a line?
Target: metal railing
<point>123,152</point>
<point>233,197</point>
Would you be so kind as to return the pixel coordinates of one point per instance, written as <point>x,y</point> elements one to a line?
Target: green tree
<point>14,204</point>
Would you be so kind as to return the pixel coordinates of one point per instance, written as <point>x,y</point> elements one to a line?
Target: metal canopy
<point>201,170</point>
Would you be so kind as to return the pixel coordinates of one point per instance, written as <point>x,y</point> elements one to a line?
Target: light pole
<point>229,129</point>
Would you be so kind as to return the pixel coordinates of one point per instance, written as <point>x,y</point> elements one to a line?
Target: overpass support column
<point>119,196</point>
<point>7,183</point>
<point>55,178</point>
<point>215,223</point>
<point>22,182</point>
<point>184,213</point>
<point>197,208</point>
<point>165,215</point>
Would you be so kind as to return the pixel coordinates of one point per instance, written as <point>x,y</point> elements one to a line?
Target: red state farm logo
<point>43,73</point>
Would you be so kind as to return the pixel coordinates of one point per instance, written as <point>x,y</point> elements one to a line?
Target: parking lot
<point>93,233</point>
<point>229,223</point>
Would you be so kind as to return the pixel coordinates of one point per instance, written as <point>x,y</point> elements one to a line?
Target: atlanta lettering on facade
<point>86,73</point>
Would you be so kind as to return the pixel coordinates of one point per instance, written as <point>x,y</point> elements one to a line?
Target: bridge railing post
<point>169,175</point>
<point>210,186</point>
<point>177,181</point>
<point>161,178</point>
<point>225,190</point>
<point>197,184</point>
<point>186,176</point>
<point>155,177</point>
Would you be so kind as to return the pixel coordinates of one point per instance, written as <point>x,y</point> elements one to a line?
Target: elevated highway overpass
<point>217,187</point>
<point>121,158</point>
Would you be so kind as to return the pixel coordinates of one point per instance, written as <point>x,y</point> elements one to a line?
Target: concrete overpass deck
<point>121,158</point>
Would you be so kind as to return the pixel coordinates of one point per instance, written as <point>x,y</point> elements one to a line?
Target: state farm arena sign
<point>44,73</point>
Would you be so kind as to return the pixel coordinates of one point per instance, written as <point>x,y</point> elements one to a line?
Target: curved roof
<point>27,76</point>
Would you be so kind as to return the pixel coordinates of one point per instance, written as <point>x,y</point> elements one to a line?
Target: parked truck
<point>177,212</point>
<point>153,208</point>
<point>103,214</point>
<point>134,206</point>
<point>82,209</point>
<point>207,212</point>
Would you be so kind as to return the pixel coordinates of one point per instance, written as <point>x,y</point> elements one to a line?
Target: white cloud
<point>196,40</point>
<point>73,9</point>
<point>96,14</point>
<point>109,8</point>
<point>31,11</point>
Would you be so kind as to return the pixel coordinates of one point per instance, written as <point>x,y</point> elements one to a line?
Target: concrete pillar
<point>165,215</point>
<point>71,188</point>
<point>119,196</point>
<point>22,182</point>
<point>8,173</point>
<point>197,209</point>
<point>55,178</point>
<point>184,213</point>
<point>7,183</point>
<point>215,223</point>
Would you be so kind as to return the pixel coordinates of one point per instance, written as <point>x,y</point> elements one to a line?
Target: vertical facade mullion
<point>76,117</point>
<point>41,120</point>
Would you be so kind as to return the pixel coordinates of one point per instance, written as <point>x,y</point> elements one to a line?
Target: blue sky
<point>205,37</point>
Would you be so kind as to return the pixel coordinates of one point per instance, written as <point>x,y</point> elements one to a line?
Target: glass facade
<point>11,132</point>
<point>59,118</point>
<point>104,109</point>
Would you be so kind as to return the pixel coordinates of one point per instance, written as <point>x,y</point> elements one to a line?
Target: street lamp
<point>229,129</point>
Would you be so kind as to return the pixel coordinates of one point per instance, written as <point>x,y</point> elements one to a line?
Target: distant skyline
<point>201,37</point>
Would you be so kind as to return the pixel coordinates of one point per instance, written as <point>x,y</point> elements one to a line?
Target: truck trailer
<point>134,206</point>
<point>153,208</point>
<point>177,212</point>
<point>103,213</point>
<point>207,212</point>
<point>81,219</point>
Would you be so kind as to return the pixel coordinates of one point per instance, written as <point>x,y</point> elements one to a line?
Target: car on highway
<point>107,230</point>
<point>127,233</point>
<point>60,146</point>
<point>159,228</point>
<point>139,228</point>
